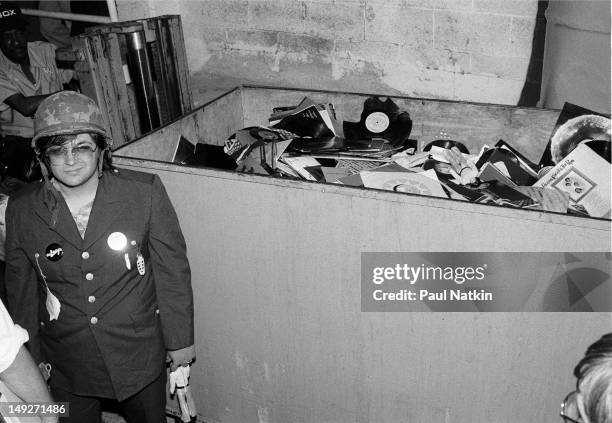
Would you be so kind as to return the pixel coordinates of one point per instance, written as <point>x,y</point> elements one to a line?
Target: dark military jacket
<point>114,324</point>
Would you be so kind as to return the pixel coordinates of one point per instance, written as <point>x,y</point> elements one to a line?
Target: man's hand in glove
<point>181,357</point>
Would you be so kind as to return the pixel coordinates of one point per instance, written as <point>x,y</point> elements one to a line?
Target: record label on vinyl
<point>377,122</point>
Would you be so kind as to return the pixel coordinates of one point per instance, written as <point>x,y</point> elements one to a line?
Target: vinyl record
<point>317,145</point>
<point>574,131</point>
<point>570,111</point>
<point>380,119</point>
<point>448,144</point>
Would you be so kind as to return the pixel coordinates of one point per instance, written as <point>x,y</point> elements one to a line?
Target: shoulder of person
<point>134,176</point>
<point>27,193</point>
<point>42,52</point>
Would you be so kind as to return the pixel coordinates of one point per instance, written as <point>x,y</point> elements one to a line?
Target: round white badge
<point>117,241</point>
<point>377,122</point>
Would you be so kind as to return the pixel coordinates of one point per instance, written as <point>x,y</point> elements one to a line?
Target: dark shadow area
<point>533,82</point>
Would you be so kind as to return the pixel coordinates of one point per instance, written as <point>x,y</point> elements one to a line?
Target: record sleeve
<point>380,119</point>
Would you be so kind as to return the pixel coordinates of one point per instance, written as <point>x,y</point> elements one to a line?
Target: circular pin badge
<point>117,241</point>
<point>54,252</point>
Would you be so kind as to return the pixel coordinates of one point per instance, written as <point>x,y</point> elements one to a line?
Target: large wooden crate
<point>101,63</point>
<point>276,275</point>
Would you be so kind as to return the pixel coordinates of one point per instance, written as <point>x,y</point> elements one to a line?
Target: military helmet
<point>66,113</point>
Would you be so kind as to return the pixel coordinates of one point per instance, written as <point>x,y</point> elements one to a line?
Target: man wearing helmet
<point>97,270</point>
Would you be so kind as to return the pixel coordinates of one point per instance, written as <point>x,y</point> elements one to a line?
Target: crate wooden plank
<point>92,74</point>
<point>105,89</point>
<point>172,69</point>
<point>114,90</point>
<point>180,58</point>
<point>87,72</point>
<point>161,91</point>
<point>122,98</point>
<point>115,27</point>
<point>164,71</point>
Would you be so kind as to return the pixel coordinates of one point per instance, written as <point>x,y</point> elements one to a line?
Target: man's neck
<point>24,63</point>
<point>78,196</point>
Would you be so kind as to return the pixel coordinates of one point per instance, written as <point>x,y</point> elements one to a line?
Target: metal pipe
<point>70,16</point>
<point>140,71</point>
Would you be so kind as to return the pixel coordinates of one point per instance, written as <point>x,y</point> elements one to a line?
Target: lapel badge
<point>117,241</point>
<point>54,252</point>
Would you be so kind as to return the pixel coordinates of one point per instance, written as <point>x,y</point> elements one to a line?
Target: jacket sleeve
<point>168,256</point>
<point>21,282</point>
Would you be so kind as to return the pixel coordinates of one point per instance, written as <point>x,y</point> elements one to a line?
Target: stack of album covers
<point>307,142</point>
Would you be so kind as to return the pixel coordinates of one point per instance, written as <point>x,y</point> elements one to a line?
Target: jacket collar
<point>107,207</point>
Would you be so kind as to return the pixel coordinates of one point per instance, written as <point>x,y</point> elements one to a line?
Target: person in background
<point>28,75</point>
<point>591,402</point>
<point>97,270</point>
<point>18,372</point>
<point>56,31</point>
<point>59,31</point>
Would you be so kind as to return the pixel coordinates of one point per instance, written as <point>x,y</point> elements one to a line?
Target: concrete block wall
<point>472,50</point>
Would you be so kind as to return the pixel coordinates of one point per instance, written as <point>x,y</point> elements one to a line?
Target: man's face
<point>14,45</point>
<point>75,163</point>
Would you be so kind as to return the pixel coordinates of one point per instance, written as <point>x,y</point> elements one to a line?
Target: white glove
<point>179,382</point>
<point>179,378</point>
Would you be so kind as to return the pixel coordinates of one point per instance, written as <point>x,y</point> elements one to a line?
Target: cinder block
<point>500,67</point>
<point>215,39</point>
<point>252,40</point>
<point>316,46</point>
<point>522,27</point>
<point>429,4</point>
<point>415,81</point>
<point>335,21</point>
<point>204,38</point>
<point>358,76</point>
<point>133,9</point>
<point>217,13</point>
<point>484,89</point>
<point>436,59</point>
<point>277,15</point>
<point>469,32</point>
<point>520,47</point>
<point>521,37</point>
<point>237,67</point>
<point>206,43</point>
<point>398,24</point>
<point>362,77</point>
<point>163,8</point>
<point>508,7</point>
<point>369,51</point>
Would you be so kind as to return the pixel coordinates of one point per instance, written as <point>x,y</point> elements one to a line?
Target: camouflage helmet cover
<point>66,113</point>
